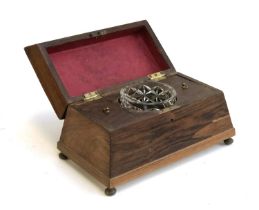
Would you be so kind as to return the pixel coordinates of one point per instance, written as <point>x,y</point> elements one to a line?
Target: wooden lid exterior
<point>62,92</point>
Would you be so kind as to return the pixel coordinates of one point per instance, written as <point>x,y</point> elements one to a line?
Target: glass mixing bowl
<point>147,96</point>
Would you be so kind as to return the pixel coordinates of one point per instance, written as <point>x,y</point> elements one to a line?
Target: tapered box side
<point>112,145</point>
<point>87,144</point>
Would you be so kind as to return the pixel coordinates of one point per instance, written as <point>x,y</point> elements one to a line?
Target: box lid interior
<point>104,58</point>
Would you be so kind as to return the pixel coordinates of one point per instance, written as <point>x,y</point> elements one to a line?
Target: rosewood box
<point>126,110</point>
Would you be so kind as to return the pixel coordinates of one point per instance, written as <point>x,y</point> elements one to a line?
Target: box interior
<point>99,62</point>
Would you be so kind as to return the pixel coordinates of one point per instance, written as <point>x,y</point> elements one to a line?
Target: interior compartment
<point>99,62</point>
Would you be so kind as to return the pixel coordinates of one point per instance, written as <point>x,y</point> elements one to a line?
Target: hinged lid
<point>78,67</point>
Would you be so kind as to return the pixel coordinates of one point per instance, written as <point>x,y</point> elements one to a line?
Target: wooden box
<point>82,76</point>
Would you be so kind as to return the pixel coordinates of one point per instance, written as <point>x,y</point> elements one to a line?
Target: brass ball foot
<point>228,141</point>
<point>62,156</point>
<point>110,191</point>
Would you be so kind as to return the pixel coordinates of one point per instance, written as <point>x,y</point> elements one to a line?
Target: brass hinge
<point>157,76</point>
<point>92,96</point>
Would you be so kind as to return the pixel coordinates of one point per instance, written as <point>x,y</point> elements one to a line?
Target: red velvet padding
<point>98,65</point>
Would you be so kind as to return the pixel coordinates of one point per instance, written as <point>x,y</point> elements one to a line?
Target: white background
<point>216,42</point>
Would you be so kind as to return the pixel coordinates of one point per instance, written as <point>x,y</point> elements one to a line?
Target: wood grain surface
<point>169,159</point>
<point>147,141</point>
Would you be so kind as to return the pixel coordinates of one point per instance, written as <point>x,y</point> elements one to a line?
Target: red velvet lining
<point>98,64</point>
